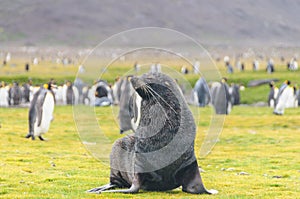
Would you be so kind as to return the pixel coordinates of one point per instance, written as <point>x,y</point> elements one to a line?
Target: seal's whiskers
<point>148,87</point>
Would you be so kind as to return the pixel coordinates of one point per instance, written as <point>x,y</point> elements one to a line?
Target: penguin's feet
<point>277,113</point>
<point>30,135</point>
<point>41,138</point>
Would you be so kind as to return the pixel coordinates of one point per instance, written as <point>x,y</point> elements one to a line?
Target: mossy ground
<point>253,140</point>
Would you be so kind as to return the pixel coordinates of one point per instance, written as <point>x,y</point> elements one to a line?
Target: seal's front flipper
<point>132,189</point>
<point>102,188</point>
<point>135,186</point>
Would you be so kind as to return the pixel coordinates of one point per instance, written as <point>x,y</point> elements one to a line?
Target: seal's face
<point>154,81</point>
<point>149,87</point>
<point>155,109</point>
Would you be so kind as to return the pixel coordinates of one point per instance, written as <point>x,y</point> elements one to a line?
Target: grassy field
<point>253,140</point>
<point>257,155</point>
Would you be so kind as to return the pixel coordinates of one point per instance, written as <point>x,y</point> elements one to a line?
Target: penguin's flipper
<point>31,120</point>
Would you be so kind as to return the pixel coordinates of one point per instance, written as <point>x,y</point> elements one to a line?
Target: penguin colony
<point>219,95</point>
<point>103,94</point>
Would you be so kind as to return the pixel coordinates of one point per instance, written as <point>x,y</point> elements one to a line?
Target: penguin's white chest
<point>3,97</point>
<point>47,115</point>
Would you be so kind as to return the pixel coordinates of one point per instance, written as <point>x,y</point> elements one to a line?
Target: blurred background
<point>79,23</point>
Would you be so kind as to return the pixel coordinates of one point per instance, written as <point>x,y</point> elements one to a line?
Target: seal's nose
<point>136,82</point>
<point>133,80</point>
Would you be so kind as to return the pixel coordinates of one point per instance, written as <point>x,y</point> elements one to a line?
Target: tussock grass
<point>264,146</point>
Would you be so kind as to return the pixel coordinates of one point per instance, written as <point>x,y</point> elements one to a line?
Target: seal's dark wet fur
<point>160,155</point>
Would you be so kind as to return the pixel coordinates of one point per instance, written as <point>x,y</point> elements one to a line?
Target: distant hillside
<point>84,23</point>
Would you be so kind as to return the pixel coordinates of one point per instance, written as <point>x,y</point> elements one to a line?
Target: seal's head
<point>157,97</point>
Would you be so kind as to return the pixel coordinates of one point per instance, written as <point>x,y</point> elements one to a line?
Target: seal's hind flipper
<point>212,191</point>
<point>102,188</point>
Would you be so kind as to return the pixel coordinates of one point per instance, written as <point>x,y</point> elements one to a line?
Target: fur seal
<point>40,113</point>
<point>159,156</point>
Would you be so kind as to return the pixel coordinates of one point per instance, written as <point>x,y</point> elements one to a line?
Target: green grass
<point>253,140</point>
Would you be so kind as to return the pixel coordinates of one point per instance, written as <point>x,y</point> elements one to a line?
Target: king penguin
<point>41,112</point>
<point>285,92</point>
<point>221,99</point>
